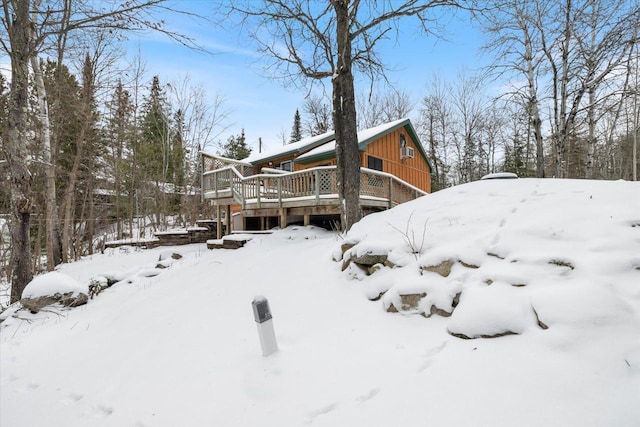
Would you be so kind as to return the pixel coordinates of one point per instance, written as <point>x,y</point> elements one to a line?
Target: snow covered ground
<point>179,347</point>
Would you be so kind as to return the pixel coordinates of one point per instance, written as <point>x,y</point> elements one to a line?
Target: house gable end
<point>368,136</point>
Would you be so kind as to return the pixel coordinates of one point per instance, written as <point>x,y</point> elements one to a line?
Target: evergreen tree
<point>119,139</point>
<point>176,171</point>
<point>296,131</point>
<point>176,166</point>
<point>83,156</point>
<point>236,147</point>
<point>152,153</point>
<point>154,145</point>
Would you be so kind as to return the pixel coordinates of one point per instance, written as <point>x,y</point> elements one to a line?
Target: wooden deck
<point>310,187</point>
<point>302,194</point>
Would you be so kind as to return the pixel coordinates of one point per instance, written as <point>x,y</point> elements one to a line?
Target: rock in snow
<point>51,288</point>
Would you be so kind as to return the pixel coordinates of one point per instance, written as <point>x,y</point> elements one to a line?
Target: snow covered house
<point>297,182</point>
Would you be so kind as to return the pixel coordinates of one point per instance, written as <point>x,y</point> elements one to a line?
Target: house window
<point>374,163</point>
<point>286,166</point>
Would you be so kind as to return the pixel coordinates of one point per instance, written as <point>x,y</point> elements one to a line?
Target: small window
<point>374,163</point>
<point>286,166</point>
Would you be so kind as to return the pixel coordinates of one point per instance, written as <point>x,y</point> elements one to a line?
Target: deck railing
<point>307,187</point>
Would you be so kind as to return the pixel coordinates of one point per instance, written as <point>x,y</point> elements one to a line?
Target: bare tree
<point>513,38</point>
<point>375,108</point>
<point>581,54</point>
<point>571,52</point>
<point>317,116</point>
<point>315,41</point>
<point>469,104</point>
<point>435,123</point>
<point>204,119</point>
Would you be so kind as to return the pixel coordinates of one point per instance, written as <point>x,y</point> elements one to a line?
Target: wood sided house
<point>297,182</point>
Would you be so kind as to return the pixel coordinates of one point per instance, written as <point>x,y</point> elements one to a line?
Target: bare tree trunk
<point>533,108</point>
<point>20,39</point>
<point>591,63</point>
<point>636,109</point>
<point>344,121</point>
<point>564,124</point>
<point>54,256</point>
<point>36,247</point>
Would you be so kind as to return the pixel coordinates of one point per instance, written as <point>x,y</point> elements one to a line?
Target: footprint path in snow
<point>69,400</point>
<point>504,220</point>
<point>359,400</point>
<point>427,357</point>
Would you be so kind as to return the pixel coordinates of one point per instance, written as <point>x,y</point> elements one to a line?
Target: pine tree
<point>236,147</point>
<point>296,131</point>
<point>152,153</point>
<point>119,136</point>
<point>176,169</point>
<point>154,145</point>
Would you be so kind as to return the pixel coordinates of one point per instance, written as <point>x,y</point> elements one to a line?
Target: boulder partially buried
<point>51,288</point>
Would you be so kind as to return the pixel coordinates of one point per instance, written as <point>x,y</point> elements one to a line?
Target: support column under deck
<point>283,218</point>
<point>218,222</point>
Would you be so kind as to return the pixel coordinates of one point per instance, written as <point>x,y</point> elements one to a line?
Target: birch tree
<point>570,53</point>
<point>513,37</point>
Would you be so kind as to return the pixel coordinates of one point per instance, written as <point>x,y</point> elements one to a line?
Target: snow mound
<point>520,252</point>
<point>53,283</point>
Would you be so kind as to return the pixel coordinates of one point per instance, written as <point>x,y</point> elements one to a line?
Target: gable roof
<point>366,137</point>
<point>301,146</point>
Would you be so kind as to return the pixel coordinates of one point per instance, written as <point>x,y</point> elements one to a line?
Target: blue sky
<point>264,107</point>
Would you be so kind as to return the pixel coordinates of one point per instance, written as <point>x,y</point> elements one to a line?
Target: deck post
<point>228,219</point>
<point>244,196</point>
<point>307,219</point>
<point>215,184</point>
<point>218,222</point>
<point>390,192</point>
<point>202,189</point>
<point>258,186</point>
<point>283,218</point>
<point>316,174</point>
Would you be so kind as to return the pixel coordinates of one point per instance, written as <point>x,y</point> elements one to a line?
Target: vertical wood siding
<point>414,171</point>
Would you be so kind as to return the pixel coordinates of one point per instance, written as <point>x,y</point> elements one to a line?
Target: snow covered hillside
<point>549,267</point>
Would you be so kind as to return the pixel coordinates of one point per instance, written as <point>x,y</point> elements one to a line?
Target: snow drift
<point>551,267</point>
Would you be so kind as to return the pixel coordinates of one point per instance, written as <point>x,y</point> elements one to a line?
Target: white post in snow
<point>264,321</point>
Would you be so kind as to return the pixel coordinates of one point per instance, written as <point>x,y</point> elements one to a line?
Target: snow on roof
<point>373,132</point>
<point>296,147</point>
<point>364,136</point>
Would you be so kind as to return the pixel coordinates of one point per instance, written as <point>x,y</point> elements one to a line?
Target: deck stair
<point>232,241</point>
